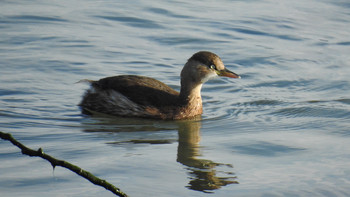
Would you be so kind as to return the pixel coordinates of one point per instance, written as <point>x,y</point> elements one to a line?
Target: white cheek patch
<point>209,76</point>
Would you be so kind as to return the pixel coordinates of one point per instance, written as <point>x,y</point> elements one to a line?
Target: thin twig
<point>55,162</point>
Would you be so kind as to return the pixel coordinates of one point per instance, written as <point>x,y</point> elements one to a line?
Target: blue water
<point>281,130</point>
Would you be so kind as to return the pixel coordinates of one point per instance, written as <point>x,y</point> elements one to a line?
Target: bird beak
<point>227,73</point>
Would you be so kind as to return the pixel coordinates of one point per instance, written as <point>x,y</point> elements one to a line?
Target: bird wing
<point>139,89</point>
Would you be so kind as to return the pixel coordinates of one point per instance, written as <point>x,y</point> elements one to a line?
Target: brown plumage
<point>139,96</point>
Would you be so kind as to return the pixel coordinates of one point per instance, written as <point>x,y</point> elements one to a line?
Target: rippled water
<point>281,130</point>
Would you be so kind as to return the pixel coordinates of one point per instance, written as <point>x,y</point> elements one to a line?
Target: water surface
<point>281,130</point>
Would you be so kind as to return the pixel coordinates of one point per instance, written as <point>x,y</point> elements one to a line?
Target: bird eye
<point>212,67</point>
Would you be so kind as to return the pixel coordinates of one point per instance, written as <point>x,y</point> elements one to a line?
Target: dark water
<point>281,130</point>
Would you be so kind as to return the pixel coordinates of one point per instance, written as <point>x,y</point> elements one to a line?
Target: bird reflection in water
<point>203,174</point>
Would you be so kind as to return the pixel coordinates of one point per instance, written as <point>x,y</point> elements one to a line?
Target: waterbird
<point>145,97</point>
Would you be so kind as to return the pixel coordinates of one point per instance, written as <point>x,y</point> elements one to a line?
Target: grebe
<point>144,97</point>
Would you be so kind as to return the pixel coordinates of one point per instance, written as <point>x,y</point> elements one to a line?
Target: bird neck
<point>190,96</point>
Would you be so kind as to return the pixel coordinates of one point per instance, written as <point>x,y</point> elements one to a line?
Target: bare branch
<point>55,162</point>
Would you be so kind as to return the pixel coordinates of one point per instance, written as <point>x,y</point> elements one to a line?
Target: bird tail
<point>85,81</point>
